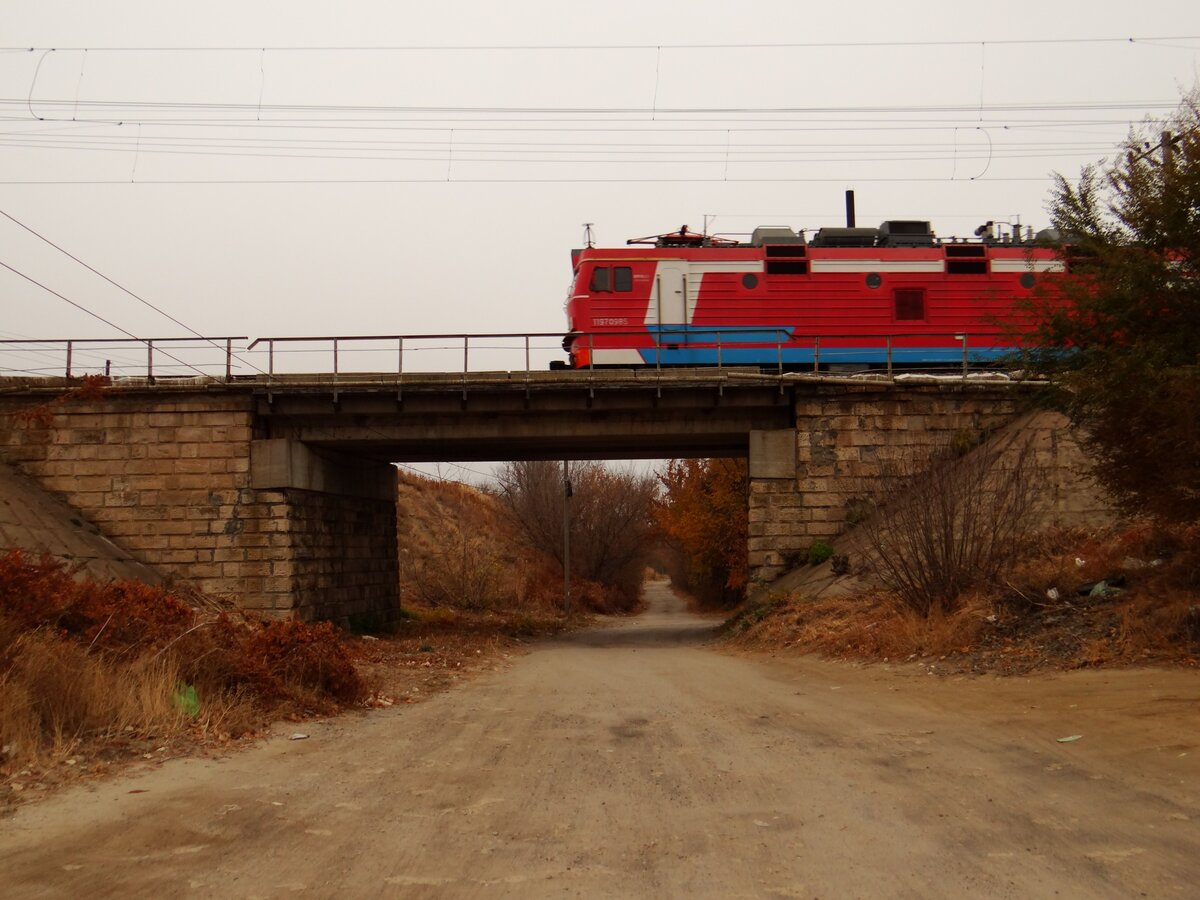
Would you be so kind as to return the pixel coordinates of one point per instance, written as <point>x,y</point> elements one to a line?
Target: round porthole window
<point>1027,280</point>
<point>874,280</point>
<point>749,282</point>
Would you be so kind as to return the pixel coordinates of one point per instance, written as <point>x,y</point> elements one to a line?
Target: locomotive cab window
<point>615,278</point>
<point>601,280</point>
<point>910,305</point>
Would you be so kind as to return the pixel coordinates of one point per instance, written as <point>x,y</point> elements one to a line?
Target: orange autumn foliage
<point>703,514</point>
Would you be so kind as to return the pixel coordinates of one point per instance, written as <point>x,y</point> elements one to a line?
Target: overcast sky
<point>441,190</point>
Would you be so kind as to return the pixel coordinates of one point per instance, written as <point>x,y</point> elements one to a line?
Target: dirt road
<point>632,761</point>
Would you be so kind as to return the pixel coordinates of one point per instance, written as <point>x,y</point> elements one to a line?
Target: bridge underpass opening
<point>587,547</point>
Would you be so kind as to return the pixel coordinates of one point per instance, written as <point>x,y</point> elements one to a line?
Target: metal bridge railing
<point>71,357</point>
<point>514,352</point>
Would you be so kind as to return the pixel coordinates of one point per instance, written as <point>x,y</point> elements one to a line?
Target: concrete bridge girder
<point>646,422</point>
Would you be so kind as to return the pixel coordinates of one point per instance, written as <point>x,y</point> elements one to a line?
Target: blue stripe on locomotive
<point>673,349</point>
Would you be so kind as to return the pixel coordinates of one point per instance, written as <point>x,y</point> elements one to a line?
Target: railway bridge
<point>279,490</point>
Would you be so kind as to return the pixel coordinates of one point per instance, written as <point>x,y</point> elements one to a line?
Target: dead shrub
<point>1047,610</point>
<point>467,576</point>
<point>293,654</point>
<point>120,614</point>
<point>952,522</point>
<point>1166,620</point>
<point>40,417</point>
<point>82,661</point>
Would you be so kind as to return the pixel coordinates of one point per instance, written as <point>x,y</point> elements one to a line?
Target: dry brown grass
<point>460,550</point>
<point>53,695</point>
<point>1040,613</point>
<point>83,663</point>
<point>457,549</point>
<point>877,626</point>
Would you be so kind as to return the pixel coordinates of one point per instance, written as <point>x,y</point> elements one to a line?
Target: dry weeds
<point>1044,613</point>
<point>88,668</point>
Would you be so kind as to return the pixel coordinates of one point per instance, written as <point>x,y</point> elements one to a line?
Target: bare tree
<point>468,575</point>
<point>610,519</point>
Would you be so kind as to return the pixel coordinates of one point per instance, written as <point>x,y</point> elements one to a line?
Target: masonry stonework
<point>848,435</point>
<point>168,479</point>
<point>241,493</point>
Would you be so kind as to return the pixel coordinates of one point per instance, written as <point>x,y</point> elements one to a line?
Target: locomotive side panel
<point>797,305</point>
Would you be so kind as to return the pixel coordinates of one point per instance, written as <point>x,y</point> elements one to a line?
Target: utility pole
<point>566,540</point>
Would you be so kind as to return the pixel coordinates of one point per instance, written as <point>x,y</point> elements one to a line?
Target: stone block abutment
<point>187,482</point>
<point>847,436</point>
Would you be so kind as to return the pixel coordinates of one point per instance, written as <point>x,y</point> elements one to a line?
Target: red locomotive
<point>854,297</point>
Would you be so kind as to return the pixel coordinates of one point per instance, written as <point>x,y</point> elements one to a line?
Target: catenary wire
<point>794,45</point>
<point>94,315</point>
<point>120,287</point>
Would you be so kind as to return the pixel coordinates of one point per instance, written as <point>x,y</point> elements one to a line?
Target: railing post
<point>720,382</point>
<point>528,369</point>
<point>271,358</point>
<point>591,365</point>
<point>889,357</point>
<point>466,352</point>
<point>335,372</point>
<point>963,338</point>
<point>150,361</point>
<point>69,360</point>
<point>779,357</point>
<point>400,370</point>
<point>816,354</point>
<point>229,359</point>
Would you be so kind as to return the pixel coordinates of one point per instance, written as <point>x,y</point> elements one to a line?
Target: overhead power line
<point>165,138</point>
<point>641,125</point>
<point>866,109</point>
<point>443,180</point>
<point>673,158</point>
<point>94,315</point>
<point>471,48</point>
<point>119,287</point>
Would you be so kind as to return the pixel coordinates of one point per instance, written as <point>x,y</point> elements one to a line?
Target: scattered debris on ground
<point>433,649</point>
